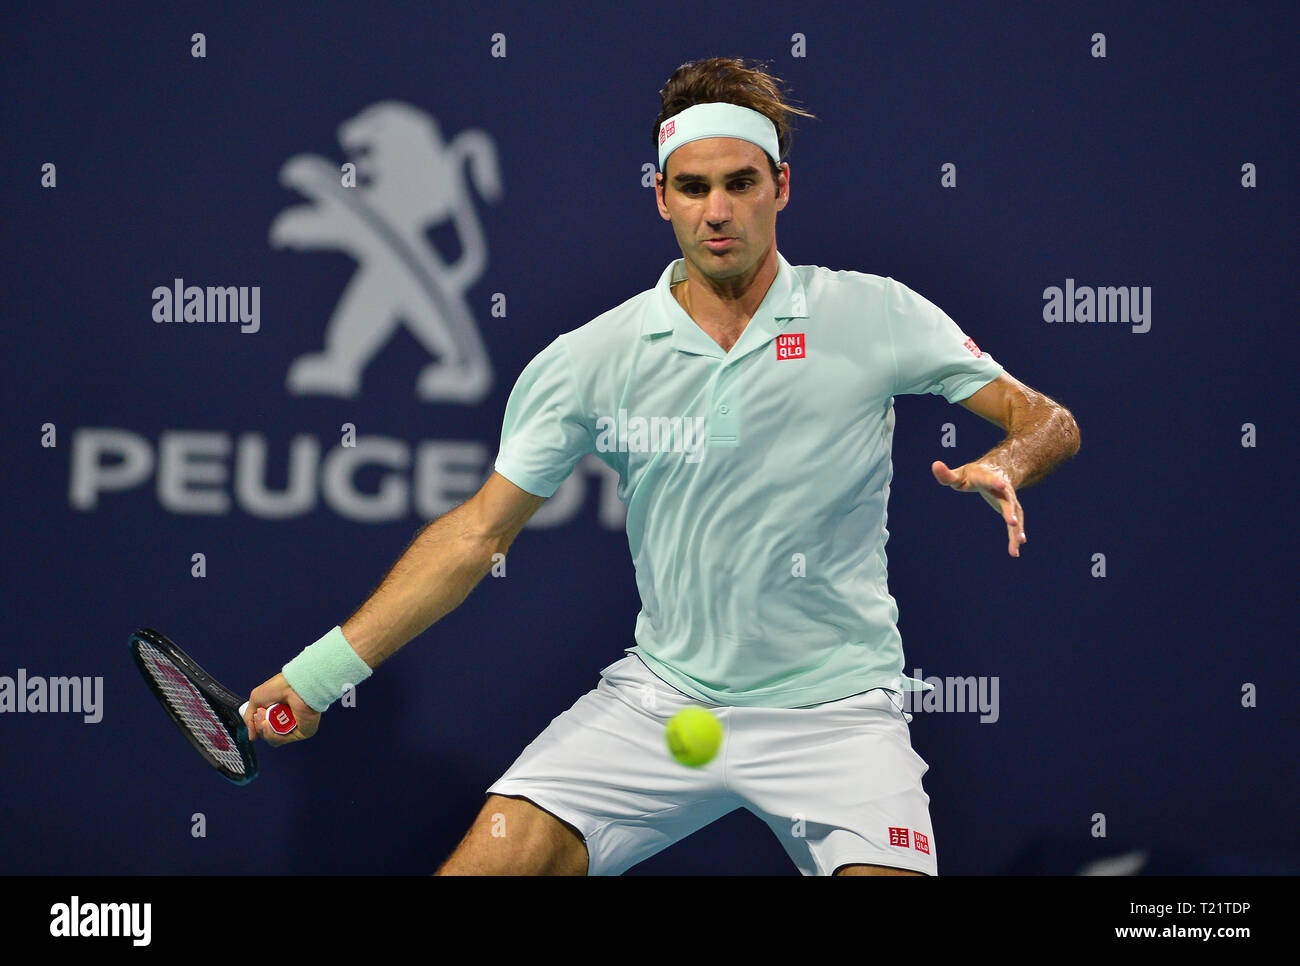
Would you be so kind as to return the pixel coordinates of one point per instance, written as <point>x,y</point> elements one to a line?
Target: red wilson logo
<point>667,130</point>
<point>975,350</point>
<point>790,346</point>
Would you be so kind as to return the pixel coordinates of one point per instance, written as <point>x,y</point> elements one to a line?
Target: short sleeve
<point>931,352</point>
<point>544,433</point>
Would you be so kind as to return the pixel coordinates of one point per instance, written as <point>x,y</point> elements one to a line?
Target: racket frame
<point>224,703</point>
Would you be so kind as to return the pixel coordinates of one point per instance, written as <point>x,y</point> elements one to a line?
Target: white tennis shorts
<point>838,783</point>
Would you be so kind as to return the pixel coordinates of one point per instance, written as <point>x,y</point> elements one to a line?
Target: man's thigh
<point>513,836</point>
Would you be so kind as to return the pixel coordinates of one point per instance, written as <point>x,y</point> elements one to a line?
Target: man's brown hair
<point>730,80</point>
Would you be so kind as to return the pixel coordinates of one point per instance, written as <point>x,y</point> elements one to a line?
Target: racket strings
<point>192,708</point>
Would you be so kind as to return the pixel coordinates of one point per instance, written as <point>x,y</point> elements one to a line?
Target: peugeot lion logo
<point>408,181</point>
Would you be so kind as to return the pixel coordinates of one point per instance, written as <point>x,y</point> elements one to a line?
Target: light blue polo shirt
<point>756,481</point>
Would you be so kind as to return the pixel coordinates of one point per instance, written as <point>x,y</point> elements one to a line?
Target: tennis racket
<point>209,715</point>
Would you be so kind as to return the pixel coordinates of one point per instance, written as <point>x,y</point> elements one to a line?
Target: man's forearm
<point>1038,438</point>
<point>435,574</point>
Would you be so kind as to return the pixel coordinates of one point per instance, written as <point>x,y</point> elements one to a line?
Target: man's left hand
<point>992,484</point>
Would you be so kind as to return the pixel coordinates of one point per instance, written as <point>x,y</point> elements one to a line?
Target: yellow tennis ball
<point>693,736</point>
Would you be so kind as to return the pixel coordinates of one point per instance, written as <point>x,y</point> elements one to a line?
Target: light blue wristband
<point>323,671</point>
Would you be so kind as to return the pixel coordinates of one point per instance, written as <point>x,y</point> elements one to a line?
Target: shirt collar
<point>785,300</point>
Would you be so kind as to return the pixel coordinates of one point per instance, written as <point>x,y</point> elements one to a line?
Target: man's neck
<point>723,309</point>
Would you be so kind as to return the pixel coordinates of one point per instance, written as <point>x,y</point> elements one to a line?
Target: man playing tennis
<point>747,406</point>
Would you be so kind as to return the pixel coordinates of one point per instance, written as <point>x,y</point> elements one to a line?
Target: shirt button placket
<point>724,420</point>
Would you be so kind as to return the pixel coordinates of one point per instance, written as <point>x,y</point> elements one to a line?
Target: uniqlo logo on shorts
<point>975,350</point>
<point>898,836</point>
<point>667,131</point>
<point>790,346</point>
<point>922,842</point>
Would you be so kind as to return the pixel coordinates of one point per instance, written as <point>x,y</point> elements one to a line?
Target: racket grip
<point>281,718</point>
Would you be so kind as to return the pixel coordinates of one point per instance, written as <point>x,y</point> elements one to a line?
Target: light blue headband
<point>717,120</point>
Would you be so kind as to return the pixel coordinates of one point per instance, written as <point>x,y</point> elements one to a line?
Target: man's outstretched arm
<point>431,578</point>
<point>1040,434</point>
<point>439,569</point>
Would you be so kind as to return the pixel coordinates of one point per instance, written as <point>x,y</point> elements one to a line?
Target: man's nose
<point>718,209</point>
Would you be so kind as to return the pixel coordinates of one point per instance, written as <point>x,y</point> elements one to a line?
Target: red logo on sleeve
<point>898,836</point>
<point>975,350</point>
<point>790,346</point>
<point>922,842</point>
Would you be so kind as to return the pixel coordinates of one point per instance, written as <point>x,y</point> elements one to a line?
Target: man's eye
<point>744,183</point>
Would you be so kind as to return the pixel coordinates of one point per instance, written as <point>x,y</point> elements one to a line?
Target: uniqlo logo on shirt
<point>667,131</point>
<point>790,346</point>
<point>898,836</point>
<point>975,350</point>
<point>922,842</point>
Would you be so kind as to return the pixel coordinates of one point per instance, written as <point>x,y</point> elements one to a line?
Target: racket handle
<point>281,718</point>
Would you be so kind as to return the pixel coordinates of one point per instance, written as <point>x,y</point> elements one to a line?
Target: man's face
<point>722,188</point>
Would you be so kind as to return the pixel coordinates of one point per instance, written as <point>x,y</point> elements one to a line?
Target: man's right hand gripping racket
<point>208,714</point>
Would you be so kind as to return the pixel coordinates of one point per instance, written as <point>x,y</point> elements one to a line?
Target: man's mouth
<point>717,244</point>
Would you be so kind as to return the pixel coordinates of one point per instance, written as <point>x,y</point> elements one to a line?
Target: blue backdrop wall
<point>1142,646</point>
